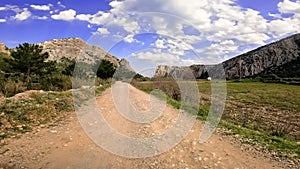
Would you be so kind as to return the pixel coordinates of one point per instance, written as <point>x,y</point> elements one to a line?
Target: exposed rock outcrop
<point>125,65</point>
<point>72,48</point>
<point>3,48</point>
<point>266,59</point>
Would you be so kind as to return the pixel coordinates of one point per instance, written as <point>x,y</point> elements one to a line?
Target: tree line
<point>27,68</point>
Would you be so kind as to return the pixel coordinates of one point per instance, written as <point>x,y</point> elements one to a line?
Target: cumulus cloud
<point>83,17</point>
<point>103,31</point>
<point>130,39</point>
<point>13,8</point>
<point>41,7</point>
<point>159,57</point>
<point>277,16</point>
<point>67,15</point>
<point>288,6</point>
<point>23,15</point>
<point>173,46</point>
<point>2,20</point>
<point>221,27</point>
<point>40,17</point>
<point>284,26</point>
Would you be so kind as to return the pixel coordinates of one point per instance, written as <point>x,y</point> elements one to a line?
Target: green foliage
<point>140,77</point>
<point>56,82</point>
<point>30,60</point>
<point>32,109</point>
<point>28,69</point>
<point>106,69</point>
<point>10,86</point>
<point>83,70</point>
<point>5,66</point>
<point>66,66</point>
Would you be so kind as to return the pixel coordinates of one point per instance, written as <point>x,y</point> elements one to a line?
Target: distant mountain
<point>280,58</point>
<point>73,48</point>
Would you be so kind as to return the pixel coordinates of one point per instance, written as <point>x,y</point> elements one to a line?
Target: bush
<point>170,88</point>
<point>56,82</point>
<point>106,69</point>
<point>9,86</point>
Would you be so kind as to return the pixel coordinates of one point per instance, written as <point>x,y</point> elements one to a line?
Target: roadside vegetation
<point>27,68</point>
<point>262,114</point>
<point>37,92</point>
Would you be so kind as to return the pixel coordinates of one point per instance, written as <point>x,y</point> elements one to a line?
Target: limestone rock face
<point>264,58</point>
<point>76,48</point>
<point>251,64</point>
<point>125,65</point>
<point>73,48</point>
<point>3,48</point>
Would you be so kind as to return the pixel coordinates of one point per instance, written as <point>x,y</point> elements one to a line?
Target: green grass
<point>36,109</point>
<point>274,95</point>
<point>253,95</point>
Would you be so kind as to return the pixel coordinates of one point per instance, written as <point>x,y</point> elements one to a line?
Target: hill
<point>72,48</point>
<point>264,61</point>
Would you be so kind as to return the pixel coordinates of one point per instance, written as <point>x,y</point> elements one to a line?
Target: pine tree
<point>29,59</point>
<point>106,69</point>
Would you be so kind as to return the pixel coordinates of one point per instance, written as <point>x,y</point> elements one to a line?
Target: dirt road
<point>68,146</point>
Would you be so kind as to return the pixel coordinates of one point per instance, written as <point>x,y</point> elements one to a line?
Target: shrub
<point>10,86</point>
<point>56,82</point>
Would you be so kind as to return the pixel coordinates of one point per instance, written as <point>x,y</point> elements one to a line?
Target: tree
<point>4,65</point>
<point>106,69</point>
<point>29,59</point>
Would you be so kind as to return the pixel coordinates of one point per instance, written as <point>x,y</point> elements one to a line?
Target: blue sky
<point>148,33</point>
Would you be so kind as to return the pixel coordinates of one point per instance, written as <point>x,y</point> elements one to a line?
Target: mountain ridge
<point>247,65</point>
<point>73,48</point>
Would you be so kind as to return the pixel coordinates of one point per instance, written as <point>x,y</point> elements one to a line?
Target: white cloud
<point>284,26</point>
<point>40,17</point>
<point>2,20</point>
<point>41,7</point>
<point>103,31</point>
<point>222,49</point>
<point>84,17</point>
<point>60,4</point>
<point>67,15</point>
<point>2,8</point>
<point>23,15</point>
<point>160,43</point>
<point>277,16</point>
<point>159,57</point>
<point>130,38</point>
<point>288,6</point>
<point>224,27</point>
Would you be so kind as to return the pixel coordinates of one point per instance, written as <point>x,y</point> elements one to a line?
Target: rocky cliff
<point>268,57</point>
<point>72,48</point>
<point>3,48</point>
<point>264,60</point>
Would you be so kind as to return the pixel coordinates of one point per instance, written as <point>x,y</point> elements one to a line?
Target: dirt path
<point>67,145</point>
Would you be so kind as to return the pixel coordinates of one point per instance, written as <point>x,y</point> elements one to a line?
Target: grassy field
<point>267,114</point>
